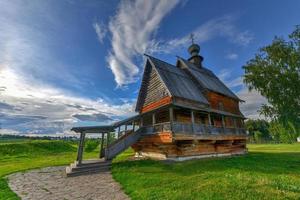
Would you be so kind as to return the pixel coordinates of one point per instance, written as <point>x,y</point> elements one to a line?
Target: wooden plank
<point>159,103</point>
<point>101,154</point>
<point>229,104</point>
<point>162,137</point>
<point>177,136</point>
<point>171,117</point>
<point>80,148</point>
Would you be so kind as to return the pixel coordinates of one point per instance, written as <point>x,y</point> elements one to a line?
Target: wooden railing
<point>189,128</point>
<point>156,128</point>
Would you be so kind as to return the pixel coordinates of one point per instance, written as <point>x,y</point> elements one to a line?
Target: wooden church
<point>192,113</point>
<point>184,112</point>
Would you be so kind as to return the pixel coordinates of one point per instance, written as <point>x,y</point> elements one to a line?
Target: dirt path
<point>51,183</point>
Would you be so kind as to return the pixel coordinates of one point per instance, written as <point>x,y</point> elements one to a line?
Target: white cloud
<point>132,29</point>
<point>133,33</point>
<point>100,31</point>
<point>235,82</point>
<point>232,56</point>
<point>253,102</point>
<point>29,103</point>
<point>44,109</point>
<point>218,27</point>
<point>226,76</point>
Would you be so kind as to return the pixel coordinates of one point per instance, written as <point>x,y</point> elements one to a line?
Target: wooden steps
<point>88,167</point>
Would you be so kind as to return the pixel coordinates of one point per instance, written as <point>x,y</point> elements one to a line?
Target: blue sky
<point>66,63</point>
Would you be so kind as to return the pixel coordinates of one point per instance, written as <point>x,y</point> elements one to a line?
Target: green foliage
<point>283,133</point>
<point>91,145</point>
<point>258,136</point>
<point>35,147</point>
<point>275,73</point>
<point>258,130</point>
<point>5,191</point>
<point>267,172</point>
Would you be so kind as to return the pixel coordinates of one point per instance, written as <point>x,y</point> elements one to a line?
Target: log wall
<point>156,104</point>
<point>229,104</point>
<point>155,93</point>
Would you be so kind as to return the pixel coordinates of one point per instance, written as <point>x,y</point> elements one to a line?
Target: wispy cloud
<point>100,31</point>
<point>232,56</point>
<point>30,99</point>
<point>132,30</point>
<point>253,100</point>
<point>226,76</point>
<point>27,40</point>
<point>28,107</point>
<point>218,27</point>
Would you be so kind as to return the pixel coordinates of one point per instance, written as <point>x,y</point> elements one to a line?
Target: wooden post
<point>125,129</point>
<point>107,139</point>
<point>171,116</point>
<point>141,121</point>
<point>235,126</point>
<point>101,146</point>
<point>223,123</point>
<point>153,119</point>
<point>107,144</point>
<point>193,120</point>
<point>119,128</point>
<point>133,125</point>
<point>80,148</point>
<point>209,119</point>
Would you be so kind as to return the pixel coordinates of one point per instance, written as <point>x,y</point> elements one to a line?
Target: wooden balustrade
<point>191,128</point>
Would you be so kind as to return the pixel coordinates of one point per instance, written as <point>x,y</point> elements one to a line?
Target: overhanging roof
<point>93,129</point>
<point>208,79</point>
<point>178,83</point>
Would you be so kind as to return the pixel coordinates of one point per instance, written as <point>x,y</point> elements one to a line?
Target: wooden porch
<point>182,121</point>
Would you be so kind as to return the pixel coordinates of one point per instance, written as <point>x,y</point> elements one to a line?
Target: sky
<point>67,63</point>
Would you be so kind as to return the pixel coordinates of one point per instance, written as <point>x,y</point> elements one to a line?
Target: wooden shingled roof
<point>177,81</point>
<point>208,79</point>
<point>186,83</point>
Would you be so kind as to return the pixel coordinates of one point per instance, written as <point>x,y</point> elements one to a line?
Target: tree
<point>280,133</point>
<point>258,130</point>
<point>275,73</point>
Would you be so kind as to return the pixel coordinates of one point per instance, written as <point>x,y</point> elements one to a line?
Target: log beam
<point>101,154</point>
<point>80,148</point>
<point>171,117</point>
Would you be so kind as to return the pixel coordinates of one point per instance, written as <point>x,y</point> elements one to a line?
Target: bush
<point>91,145</point>
<point>283,133</point>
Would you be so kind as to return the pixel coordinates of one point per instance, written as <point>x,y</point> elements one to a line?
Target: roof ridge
<point>159,59</point>
<point>205,69</point>
<point>161,68</point>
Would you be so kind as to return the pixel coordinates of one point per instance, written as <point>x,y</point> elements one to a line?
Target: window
<point>221,106</point>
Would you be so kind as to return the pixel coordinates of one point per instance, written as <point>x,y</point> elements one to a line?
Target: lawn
<point>267,172</point>
<point>21,156</point>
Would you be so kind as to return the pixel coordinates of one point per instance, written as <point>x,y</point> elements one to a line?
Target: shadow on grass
<point>256,162</point>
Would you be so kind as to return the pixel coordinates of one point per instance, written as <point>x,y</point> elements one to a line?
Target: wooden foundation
<point>167,146</point>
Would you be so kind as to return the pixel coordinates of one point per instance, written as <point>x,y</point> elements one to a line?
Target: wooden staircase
<point>88,167</point>
<point>104,164</point>
<point>122,144</point>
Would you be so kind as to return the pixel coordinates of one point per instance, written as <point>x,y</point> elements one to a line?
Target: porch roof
<point>93,129</point>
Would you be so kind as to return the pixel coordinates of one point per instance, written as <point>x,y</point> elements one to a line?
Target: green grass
<point>26,155</point>
<point>267,172</point>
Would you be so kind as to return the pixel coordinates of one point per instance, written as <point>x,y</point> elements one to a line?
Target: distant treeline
<point>24,137</point>
<point>262,131</point>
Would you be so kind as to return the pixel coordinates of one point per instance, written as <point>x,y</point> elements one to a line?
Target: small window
<point>221,106</point>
